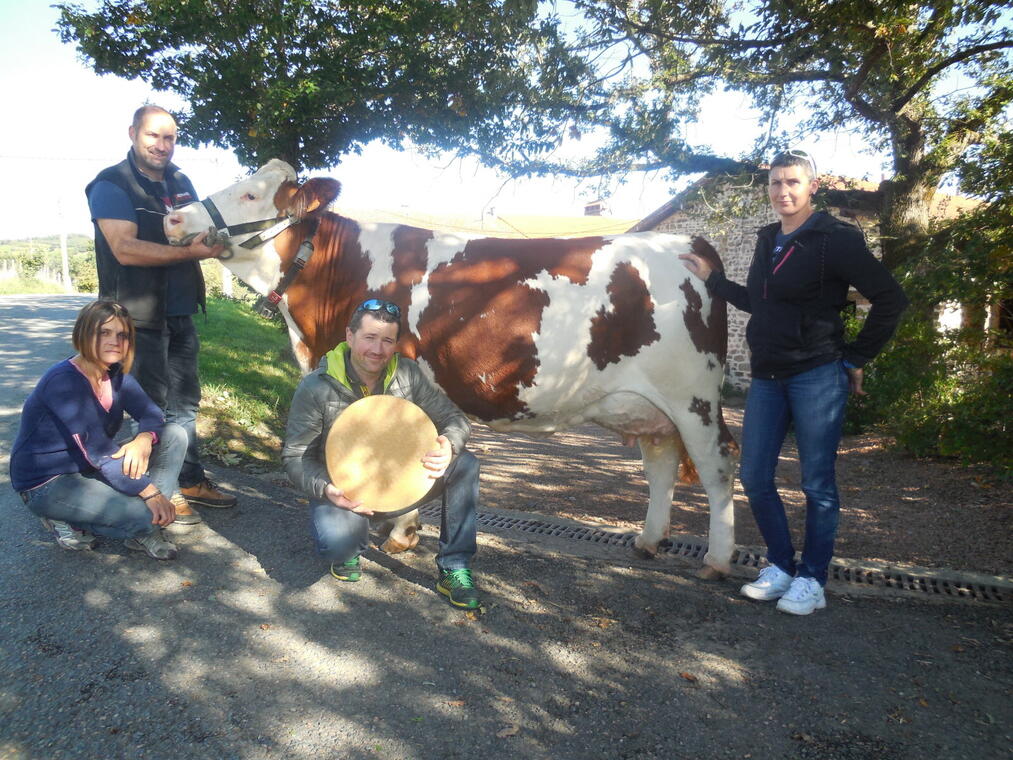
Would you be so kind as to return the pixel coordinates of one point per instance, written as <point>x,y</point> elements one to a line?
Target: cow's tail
<point>688,475</point>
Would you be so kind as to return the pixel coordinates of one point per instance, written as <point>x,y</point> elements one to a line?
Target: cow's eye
<point>250,197</point>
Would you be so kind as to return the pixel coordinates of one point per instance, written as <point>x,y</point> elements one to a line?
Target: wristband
<point>151,496</point>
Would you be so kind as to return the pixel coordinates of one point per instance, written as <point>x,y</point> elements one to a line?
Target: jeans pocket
<point>39,492</point>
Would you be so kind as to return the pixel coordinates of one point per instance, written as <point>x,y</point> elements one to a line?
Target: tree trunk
<point>907,198</point>
<point>904,219</point>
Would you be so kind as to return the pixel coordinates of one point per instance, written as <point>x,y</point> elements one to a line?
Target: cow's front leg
<point>402,532</point>
<point>661,463</point>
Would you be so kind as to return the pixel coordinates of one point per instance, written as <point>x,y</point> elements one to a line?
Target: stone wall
<point>728,216</point>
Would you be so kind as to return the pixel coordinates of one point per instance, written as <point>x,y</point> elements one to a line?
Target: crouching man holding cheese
<point>359,451</point>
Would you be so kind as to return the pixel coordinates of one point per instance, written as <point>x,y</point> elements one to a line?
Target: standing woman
<point>802,368</point>
<point>65,462</point>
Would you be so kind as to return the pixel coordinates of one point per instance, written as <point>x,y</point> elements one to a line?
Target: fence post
<point>64,260</point>
<point>226,280</point>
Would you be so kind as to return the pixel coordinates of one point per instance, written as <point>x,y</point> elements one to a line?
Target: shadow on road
<point>245,647</point>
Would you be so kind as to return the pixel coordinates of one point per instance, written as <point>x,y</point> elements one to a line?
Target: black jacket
<point>142,290</point>
<point>795,303</point>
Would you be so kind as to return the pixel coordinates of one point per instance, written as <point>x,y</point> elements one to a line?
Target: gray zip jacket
<point>327,391</point>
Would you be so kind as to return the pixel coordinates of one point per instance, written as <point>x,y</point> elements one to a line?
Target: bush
<point>30,264</point>
<point>948,393</point>
<point>83,273</point>
<point>939,396</point>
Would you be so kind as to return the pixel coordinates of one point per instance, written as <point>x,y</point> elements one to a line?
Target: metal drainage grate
<point>938,584</point>
<point>954,587</point>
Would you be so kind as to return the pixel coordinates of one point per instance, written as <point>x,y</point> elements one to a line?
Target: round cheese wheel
<point>374,452</point>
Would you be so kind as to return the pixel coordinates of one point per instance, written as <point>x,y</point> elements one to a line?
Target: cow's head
<point>271,193</point>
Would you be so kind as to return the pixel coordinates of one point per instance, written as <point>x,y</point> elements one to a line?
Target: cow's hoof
<point>393,546</point>
<point>709,573</point>
<point>644,552</point>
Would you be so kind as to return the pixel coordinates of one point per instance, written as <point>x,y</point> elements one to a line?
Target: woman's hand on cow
<point>436,462</point>
<point>696,265</point>
<point>135,455</point>
<point>337,497</point>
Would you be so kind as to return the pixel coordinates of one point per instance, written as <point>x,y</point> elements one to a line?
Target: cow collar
<point>272,227</point>
<point>267,306</point>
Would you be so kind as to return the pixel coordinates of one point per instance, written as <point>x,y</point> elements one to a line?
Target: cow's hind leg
<point>713,454</point>
<point>402,532</point>
<point>661,462</point>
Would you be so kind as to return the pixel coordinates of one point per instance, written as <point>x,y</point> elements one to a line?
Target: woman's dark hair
<point>86,330</point>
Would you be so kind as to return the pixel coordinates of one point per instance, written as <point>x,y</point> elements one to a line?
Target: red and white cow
<point>533,336</point>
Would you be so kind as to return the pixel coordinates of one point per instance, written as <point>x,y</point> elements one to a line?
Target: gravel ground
<point>246,648</point>
<point>894,508</point>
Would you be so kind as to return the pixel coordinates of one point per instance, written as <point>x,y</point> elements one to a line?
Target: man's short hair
<point>795,157</point>
<point>143,112</point>
<point>379,313</point>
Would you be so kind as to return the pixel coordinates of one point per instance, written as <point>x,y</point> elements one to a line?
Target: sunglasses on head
<point>375,304</point>
<point>795,153</point>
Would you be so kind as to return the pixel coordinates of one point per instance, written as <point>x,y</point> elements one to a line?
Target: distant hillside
<point>38,259</point>
<point>13,249</point>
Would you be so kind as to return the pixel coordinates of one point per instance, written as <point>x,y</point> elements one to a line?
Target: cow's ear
<point>313,196</point>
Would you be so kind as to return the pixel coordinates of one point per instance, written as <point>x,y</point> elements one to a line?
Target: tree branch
<point>962,55</point>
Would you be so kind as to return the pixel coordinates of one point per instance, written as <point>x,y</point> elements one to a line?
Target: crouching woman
<point>65,462</point>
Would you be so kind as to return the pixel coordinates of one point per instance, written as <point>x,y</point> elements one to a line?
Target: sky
<point>62,124</point>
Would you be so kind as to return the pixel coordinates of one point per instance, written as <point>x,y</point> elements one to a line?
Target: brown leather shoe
<point>205,494</point>
<point>185,515</point>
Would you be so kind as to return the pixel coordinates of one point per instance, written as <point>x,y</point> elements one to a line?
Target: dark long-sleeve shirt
<point>795,301</point>
<point>64,429</point>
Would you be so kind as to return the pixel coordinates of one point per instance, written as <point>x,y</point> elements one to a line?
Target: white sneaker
<point>153,545</point>
<point>69,537</point>
<point>804,596</point>
<point>770,585</point>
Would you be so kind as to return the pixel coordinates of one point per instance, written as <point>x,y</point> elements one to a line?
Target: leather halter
<point>272,227</point>
<point>267,306</point>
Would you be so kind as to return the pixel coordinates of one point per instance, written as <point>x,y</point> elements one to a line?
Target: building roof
<point>508,226</point>
<point>839,192</point>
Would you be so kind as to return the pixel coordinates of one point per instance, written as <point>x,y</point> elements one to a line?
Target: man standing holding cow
<point>366,364</point>
<point>802,368</point>
<point>162,286</point>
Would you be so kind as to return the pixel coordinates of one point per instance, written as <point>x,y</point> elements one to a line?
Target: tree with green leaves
<point>509,80</point>
<point>309,81</point>
<point>924,82</point>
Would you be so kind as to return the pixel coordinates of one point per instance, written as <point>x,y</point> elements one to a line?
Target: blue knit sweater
<point>65,429</point>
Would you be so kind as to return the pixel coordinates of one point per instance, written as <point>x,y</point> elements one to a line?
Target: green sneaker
<point>459,587</point>
<point>349,571</point>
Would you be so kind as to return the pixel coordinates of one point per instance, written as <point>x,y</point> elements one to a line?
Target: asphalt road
<point>246,648</point>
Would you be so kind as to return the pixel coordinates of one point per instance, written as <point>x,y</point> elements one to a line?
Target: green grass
<point>15,286</point>
<point>248,377</point>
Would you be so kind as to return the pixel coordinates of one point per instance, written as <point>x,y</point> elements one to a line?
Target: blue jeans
<point>813,401</point>
<point>342,535</point>
<point>165,365</point>
<point>91,504</point>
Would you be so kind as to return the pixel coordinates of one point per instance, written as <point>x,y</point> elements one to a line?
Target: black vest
<point>142,290</point>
